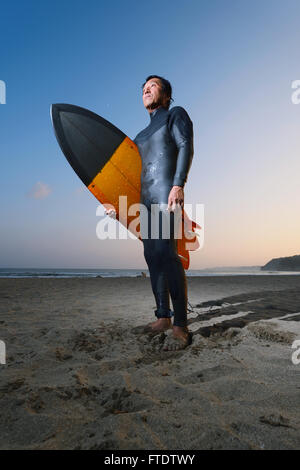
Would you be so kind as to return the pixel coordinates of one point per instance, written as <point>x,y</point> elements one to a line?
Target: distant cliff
<point>289,263</point>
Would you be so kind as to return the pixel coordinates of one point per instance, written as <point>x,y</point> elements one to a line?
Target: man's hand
<point>176,198</point>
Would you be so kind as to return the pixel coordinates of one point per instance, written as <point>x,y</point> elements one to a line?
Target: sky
<point>231,64</point>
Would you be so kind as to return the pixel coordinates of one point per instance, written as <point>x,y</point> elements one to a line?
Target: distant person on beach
<point>166,149</point>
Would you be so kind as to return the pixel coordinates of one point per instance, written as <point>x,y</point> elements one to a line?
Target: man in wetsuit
<point>166,149</point>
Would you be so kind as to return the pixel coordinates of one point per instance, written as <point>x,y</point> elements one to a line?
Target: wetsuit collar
<point>157,111</point>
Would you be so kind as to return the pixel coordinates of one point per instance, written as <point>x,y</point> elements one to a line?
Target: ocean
<point>82,272</point>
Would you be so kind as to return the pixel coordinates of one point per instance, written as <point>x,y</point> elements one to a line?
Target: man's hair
<point>166,87</point>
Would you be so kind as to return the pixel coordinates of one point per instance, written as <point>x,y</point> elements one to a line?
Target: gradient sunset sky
<point>231,64</point>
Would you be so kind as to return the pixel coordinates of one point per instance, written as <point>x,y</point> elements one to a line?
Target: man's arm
<point>181,129</point>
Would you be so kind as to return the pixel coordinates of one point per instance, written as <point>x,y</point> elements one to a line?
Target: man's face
<point>153,95</point>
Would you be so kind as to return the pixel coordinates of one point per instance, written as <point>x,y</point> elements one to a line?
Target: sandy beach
<point>79,376</point>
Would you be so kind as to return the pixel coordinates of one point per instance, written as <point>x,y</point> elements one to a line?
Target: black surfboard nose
<point>87,140</point>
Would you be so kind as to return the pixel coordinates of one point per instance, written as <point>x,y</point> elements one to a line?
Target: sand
<point>77,376</point>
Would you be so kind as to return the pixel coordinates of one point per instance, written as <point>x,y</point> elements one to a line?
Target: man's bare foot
<point>158,326</point>
<point>180,339</point>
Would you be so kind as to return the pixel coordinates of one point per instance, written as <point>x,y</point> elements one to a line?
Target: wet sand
<point>77,376</point>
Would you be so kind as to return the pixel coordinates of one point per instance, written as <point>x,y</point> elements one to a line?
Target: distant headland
<point>288,263</point>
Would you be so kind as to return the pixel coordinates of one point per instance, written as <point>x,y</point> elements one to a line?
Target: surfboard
<point>109,164</point>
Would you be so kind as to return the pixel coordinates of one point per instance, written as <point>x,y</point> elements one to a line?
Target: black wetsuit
<point>166,149</point>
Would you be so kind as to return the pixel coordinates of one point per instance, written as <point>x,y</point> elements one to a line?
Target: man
<point>166,149</point>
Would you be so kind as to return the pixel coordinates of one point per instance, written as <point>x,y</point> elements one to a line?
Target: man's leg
<point>177,286</point>
<point>171,265</point>
<point>157,276</point>
<point>159,286</point>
